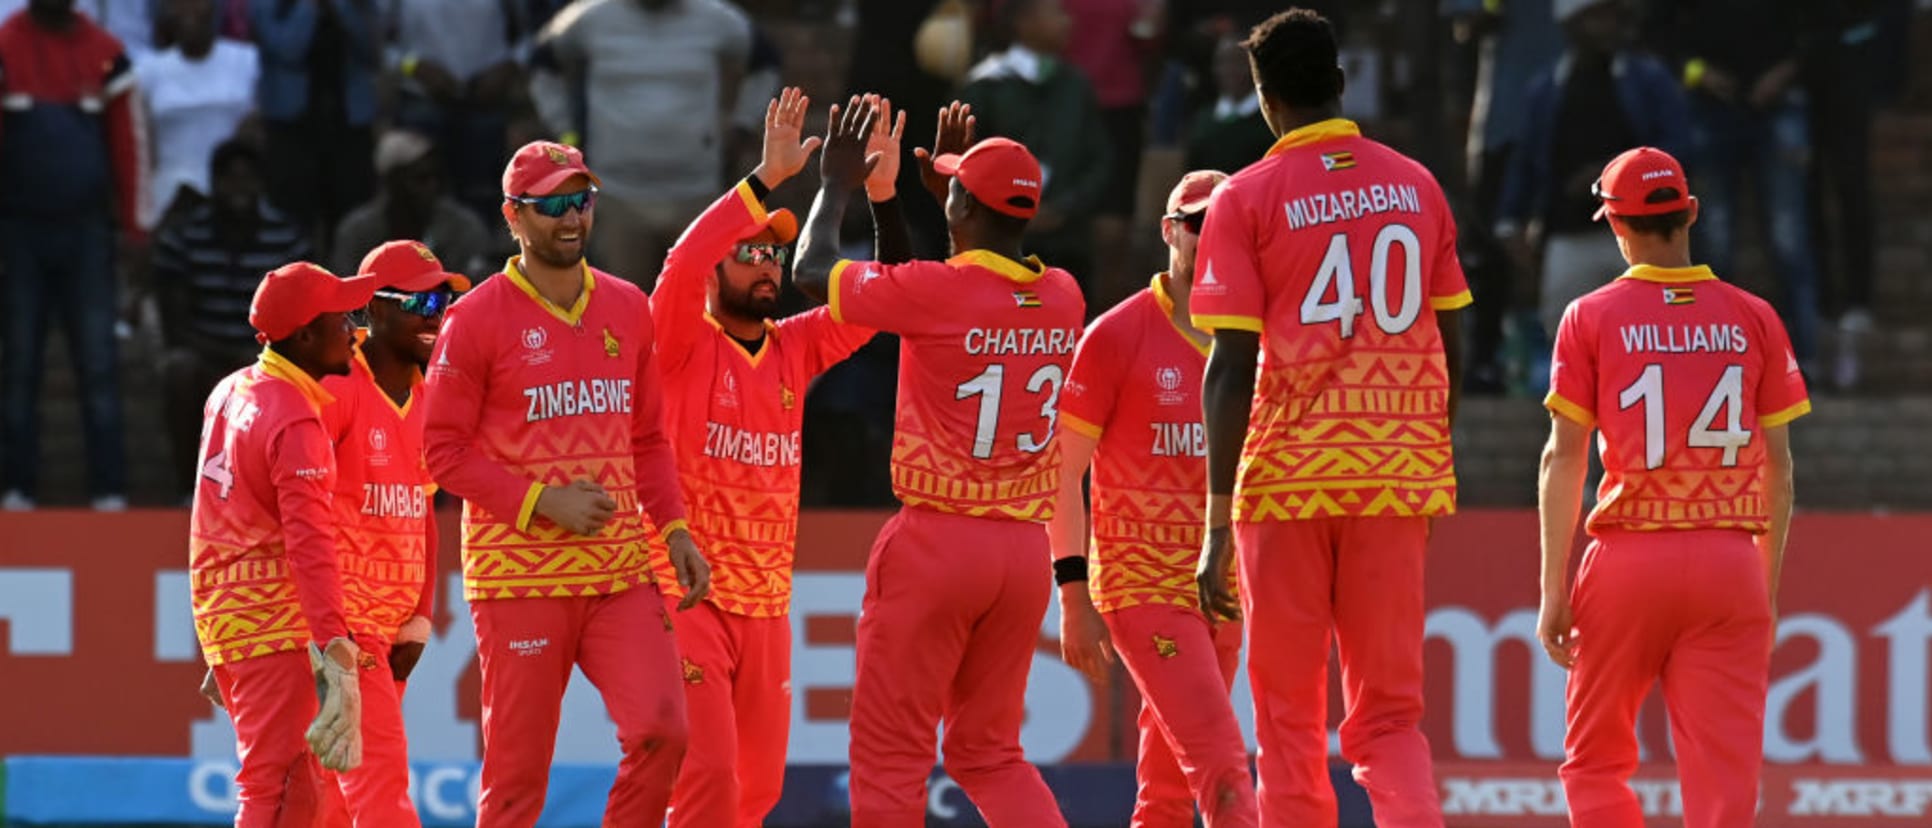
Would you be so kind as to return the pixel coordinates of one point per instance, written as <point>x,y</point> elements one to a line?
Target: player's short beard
<point>550,257</point>
<point>745,305</point>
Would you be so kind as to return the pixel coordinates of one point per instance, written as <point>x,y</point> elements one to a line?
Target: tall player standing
<point>1340,255</point>
<point>737,381</point>
<point>1132,410</point>
<point>545,414</point>
<point>956,585</point>
<point>262,558</point>
<point>385,526</point>
<point>1693,383</point>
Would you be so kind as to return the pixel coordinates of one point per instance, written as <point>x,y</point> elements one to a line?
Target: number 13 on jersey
<point>990,387</point>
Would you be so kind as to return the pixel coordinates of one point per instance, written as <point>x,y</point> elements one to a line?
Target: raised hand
<point>785,155</point>
<point>882,183</point>
<point>955,135</point>
<point>844,163</point>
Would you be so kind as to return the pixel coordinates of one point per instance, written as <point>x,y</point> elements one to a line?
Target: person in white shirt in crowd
<point>197,92</point>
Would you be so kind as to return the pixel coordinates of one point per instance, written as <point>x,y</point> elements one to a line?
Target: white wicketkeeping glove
<point>336,734</point>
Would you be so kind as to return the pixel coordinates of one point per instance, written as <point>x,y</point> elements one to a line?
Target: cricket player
<point>956,585</point>
<point>737,380</point>
<point>262,559</point>
<point>1339,256</point>
<point>385,526</point>
<point>545,414</point>
<point>1693,384</point>
<point>1132,411</point>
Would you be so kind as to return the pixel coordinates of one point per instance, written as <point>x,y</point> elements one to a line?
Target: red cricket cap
<point>539,166</point>
<point>1630,180</point>
<point>781,222</point>
<point>1000,172</point>
<point>293,295</point>
<point>1192,194</point>
<point>409,266</point>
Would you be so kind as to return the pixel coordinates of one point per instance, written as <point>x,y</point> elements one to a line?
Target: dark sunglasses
<point>428,304</point>
<point>1192,221</point>
<point>556,205</point>
<point>751,254</point>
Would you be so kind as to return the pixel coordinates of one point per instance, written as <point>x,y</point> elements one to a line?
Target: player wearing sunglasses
<point>385,528</point>
<point>737,378</point>
<point>545,414</point>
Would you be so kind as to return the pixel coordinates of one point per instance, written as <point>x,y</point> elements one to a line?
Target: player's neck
<point>395,375</point>
<point>1291,118</point>
<point>1647,250</point>
<point>560,285</point>
<point>739,327</point>
<point>1177,296</point>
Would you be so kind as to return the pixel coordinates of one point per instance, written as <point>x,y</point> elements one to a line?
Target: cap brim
<point>1188,208</point>
<point>550,180</point>
<point>432,280</point>
<point>947,164</point>
<point>782,224</point>
<point>349,294</point>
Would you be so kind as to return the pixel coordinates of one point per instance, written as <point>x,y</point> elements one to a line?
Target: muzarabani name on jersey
<point>573,397</point>
<point>1021,341</point>
<point>1316,209</point>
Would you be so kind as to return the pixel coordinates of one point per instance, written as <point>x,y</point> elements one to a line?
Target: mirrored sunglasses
<point>751,254</point>
<point>557,204</point>
<point>428,304</point>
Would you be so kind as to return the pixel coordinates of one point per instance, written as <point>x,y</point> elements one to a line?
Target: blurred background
<point>226,137</point>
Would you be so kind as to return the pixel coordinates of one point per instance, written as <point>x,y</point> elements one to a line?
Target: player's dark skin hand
<point>955,135</point>
<point>403,658</point>
<point>843,160</point>
<point>1212,577</point>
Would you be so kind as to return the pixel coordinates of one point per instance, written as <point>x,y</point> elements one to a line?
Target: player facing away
<point>262,557</point>
<point>1693,384</point>
<point>545,414</point>
<point>1132,410</point>
<point>737,380</point>
<point>957,582</point>
<point>1334,257</point>
<point>385,526</point>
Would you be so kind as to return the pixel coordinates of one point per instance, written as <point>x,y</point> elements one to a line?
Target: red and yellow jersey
<point>523,394</point>
<point>735,417</point>
<point>1679,372</point>
<point>985,343</point>
<point>261,550</point>
<point>1136,388</point>
<point>1338,251</point>
<point>385,527</point>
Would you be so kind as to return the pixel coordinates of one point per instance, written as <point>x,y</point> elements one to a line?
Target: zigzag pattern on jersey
<point>926,474</point>
<point>245,602</point>
<point>1679,499</point>
<point>749,536</point>
<point>383,566</point>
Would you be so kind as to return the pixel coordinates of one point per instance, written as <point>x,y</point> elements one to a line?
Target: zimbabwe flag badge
<point>1026,299</point>
<point>1679,296</point>
<point>1332,161</point>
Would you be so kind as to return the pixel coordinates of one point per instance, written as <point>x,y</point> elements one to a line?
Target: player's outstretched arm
<point>843,166</point>
<point>1084,642</point>
<point>1227,392</point>
<point>1780,494</point>
<point>1559,496</point>
<point>891,239</point>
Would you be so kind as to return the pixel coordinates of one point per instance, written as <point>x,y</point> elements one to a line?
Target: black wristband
<point>758,188</point>
<point>1069,569</point>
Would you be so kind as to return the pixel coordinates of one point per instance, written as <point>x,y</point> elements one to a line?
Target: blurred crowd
<point>161,155</point>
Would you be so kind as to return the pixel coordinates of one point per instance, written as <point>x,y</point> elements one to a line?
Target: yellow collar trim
<point>1029,270</point>
<point>771,334</point>
<point>415,379</point>
<point>1317,132</point>
<point>514,270</point>
<point>278,366</point>
<point>1669,275</point>
<point>1166,303</point>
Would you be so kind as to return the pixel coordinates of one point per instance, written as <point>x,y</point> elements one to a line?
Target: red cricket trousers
<point>738,695</point>
<point>376,793</point>
<point>1355,583</point>
<point>1691,609</point>
<point>623,642</point>
<point>272,700</point>
<point>947,632</point>
<point>1190,743</point>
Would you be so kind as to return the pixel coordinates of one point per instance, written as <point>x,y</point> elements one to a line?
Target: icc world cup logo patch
<point>534,338</point>
<point>379,440</point>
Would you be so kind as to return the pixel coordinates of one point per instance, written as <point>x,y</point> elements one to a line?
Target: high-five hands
<point>955,135</point>
<point>784,154</point>
<point>845,162</point>
<point>882,183</point>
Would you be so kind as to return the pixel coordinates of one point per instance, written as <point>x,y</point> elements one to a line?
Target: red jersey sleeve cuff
<point>1227,322</point>
<point>1782,417</point>
<point>1080,425</point>
<point>832,292</point>
<point>673,526</point>
<point>1570,410</point>
<point>1452,302</point>
<point>752,205</point>
<point>529,508</point>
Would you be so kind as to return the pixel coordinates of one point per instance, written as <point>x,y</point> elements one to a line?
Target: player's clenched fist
<point>582,507</point>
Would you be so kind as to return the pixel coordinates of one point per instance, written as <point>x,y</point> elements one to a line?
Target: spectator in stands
<point>460,83</point>
<point>317,96</point>
<point>1841,79</point>
<point>129,21</point>
<point>1515,41</point>
<point>206,266</point>
<point>72,163</point>
<point>197,92</point>
<point>1231,134</point>
<point>1600,99</point>
<point>1117,39</point>
<point>1030,94</point>
<point>413,204</point>
<point>647,89</point>
<point>1739,58</point>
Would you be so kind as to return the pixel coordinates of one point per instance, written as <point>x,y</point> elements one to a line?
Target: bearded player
<point>1132,410</point>
<point>737,380</point>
